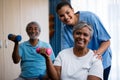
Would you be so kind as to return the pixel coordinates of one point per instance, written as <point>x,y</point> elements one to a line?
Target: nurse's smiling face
<point>67,16</point>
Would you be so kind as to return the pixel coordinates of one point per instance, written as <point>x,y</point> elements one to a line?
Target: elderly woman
<point>78,62</point>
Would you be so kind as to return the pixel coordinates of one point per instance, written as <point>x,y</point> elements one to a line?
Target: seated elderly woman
<point>78,62</point>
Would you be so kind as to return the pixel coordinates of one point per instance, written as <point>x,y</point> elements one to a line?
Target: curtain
<point>55,40</point>
<point>109,13</point>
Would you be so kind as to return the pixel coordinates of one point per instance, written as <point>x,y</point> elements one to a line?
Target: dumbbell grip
<point>15,38</point>
<point>48,51</point>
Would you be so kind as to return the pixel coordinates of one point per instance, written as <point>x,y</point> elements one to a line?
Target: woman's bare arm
<point>91,77</point>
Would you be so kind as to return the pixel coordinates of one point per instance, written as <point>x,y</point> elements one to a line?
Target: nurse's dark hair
<point>61,4</point>
<point>82,24</point>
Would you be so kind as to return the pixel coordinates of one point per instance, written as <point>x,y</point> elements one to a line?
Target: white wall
<point>36,10</point>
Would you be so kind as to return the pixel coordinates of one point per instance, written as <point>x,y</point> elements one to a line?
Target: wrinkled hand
<point>43,52</point>
<point>99,56</point>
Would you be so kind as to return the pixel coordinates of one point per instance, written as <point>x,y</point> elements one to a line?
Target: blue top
<point>99,35</point>
<point>33,65</point>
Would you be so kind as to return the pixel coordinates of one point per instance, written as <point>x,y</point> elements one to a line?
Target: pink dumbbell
<point>48,50</point>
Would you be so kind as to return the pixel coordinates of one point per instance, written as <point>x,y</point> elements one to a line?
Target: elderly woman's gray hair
<point>33,23</point>
<point>82,24</point>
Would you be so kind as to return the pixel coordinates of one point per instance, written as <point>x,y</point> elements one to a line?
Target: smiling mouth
<point>80,42</point>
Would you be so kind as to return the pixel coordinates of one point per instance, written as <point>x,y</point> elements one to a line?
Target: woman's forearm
<point>52,72</point>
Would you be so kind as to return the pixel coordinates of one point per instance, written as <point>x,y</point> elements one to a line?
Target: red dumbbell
<point>48,50</point>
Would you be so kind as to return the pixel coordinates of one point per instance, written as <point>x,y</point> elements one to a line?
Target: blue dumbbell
<point>15,38</point>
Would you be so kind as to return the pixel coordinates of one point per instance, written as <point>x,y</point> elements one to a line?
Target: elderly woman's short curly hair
<point>82,24</point>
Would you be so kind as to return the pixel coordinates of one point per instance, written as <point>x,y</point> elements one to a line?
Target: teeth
<point>80,41</point>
